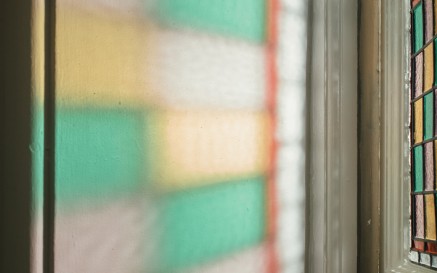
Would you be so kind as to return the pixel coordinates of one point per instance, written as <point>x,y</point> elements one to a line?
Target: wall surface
<point>178,137</point>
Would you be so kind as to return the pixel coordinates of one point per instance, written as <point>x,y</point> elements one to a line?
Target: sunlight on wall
<point>179,136</point>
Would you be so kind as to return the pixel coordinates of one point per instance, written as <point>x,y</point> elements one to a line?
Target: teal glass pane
<point>100,152</point>
<point>418,27</point>
<point>429,115</point>
<point>205,223</point>
<point>418,168</point>
<point>243,18</point>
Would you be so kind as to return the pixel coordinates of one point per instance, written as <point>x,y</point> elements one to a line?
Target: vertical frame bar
<point>369,174</point>
<point>49,136</point>
<point>332,200</point>
<point>16,178</point>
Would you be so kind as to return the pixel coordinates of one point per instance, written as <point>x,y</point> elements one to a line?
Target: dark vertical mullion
<point>49,136</point>
<point>433,114</point>
<point>425,245</point>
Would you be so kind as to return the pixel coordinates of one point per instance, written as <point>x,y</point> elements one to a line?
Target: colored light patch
<point>243,19</point>
<point>197,70</point>
<point>100,59</point>
<point>100,153</point>
<point>429,116</point>
<point>420,229</point>
<point>126,8</point>
<point>430,217</point>
<point>37,148</point>
<point>418,75</point>
<point>429,166</point>
<point>253,260</point>
<point>418,121</point>
<point>429,31</point>
<point>107,238</point>
<point>202,147</point>
<point>418,169</point>
<point>418,27</point>
<point>429,67</point>
<point>210,222</point>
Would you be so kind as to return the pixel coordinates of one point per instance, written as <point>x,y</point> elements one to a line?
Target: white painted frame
<point>332,178</point>
<point>395,139</point>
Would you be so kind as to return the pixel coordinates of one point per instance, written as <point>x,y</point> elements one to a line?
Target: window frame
<point>331,244</point>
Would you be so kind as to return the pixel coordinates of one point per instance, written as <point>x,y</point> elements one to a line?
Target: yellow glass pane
<point>430,217</point>
<point>429,67</point>
<point>418,121</point>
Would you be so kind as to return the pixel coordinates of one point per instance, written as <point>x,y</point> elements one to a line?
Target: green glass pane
<point>209,222</point>
<point>100,152</point>
<point>243,18</point>
<point>418,27</point>
<point>418,168</point>
<point>428,118</point>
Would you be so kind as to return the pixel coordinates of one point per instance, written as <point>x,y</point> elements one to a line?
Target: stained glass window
<point>423,133</point>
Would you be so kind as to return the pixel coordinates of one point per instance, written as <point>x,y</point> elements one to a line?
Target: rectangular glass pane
<point>430,217</point>
<point>418,75</point>
<point>419,217</point>
<point>429,67</point>
<point>418,27</point>
<point>429,116</point>
<point>418,169</point>
<point>418,121</point>
<point>429,166</point>
<point>429,33</point>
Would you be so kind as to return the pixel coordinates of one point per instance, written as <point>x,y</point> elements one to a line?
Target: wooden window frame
<point>332,137</point>
<point>384,210</point>
<point>395,175</point>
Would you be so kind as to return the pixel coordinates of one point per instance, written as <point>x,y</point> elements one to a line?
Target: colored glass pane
<point>418,169</point>
<point>430,217</point>
<point>418,27</point>
<point>419,217</point>
<point>418,75</point>
<point>428,116</point>
<point>429,32</point>
<point>429,166</point>
<point>418,121</point>
<point>429,67</point>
